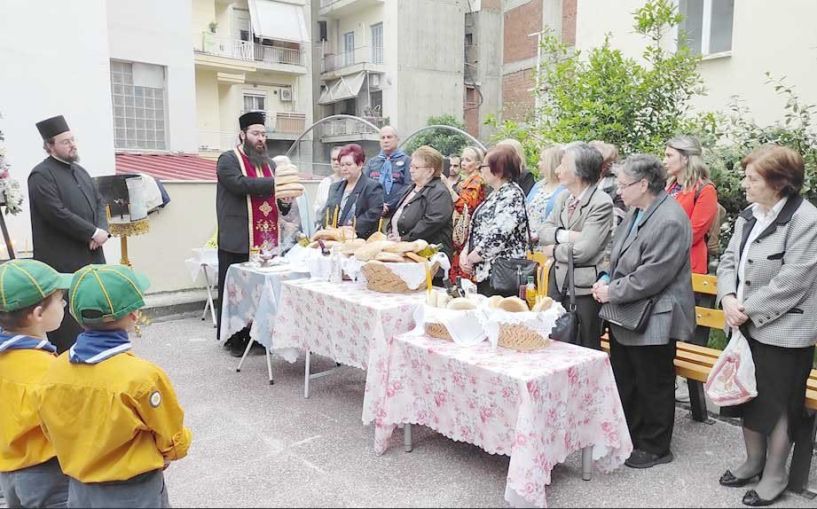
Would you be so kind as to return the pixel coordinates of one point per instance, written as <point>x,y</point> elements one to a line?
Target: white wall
<point>158,32</point>
<point>778,37</point>
<point>63,69</point>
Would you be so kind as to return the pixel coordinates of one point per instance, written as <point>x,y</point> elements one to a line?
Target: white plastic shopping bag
<point>732,379</point>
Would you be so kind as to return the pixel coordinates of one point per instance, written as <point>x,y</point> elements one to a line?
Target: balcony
<point>348,129</point>
<point>272,57</point>
<point>281,125</point>
<point>340,8</point>
<point>348,62</point>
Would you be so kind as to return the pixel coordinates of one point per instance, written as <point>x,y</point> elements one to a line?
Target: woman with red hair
<point>356,200</point>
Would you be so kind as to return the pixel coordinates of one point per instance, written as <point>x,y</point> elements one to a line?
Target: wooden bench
<point>694,362</point>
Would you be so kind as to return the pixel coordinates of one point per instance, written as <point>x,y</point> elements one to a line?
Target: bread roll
<point>494,301</point>
<point>385,256</point>
<point>374,237</point>
<point>289,187</point>
<point>286,179</point>
<point>286,169</point>
<point>326,234</point>
<point>370,250</point>
<point>401,247</point>
<point>513,304</point>
<point>543,305</point>
<point>350,246</point>
<point>461,304</point>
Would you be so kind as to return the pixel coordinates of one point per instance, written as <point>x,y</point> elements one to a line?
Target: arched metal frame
<point>445,128</point>
<point>331,117</point>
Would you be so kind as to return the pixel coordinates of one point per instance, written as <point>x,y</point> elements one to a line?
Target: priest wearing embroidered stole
<point>246,207</point>
<point>68,220</point>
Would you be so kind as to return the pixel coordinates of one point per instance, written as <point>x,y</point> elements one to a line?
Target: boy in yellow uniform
<point>31,304</point>
<point>113,417</point>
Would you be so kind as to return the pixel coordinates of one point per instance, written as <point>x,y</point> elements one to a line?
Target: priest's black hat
<point>251,118</point>
<point>53,126</point>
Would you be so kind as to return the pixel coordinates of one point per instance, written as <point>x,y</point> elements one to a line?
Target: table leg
<point>209,298</point>
<point>407,445</point>
<point>246,351</point>
<point>587,463</point>
<point>269,366</point>
<point>306,376</point>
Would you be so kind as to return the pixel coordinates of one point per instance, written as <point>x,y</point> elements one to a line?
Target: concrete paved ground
<point>261,445</point>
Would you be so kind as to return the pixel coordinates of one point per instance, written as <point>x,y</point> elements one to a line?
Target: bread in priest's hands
<point>286,170</point>
<point>513,304</point>
<point>461,304</point>
<point>286,179</point>
<point>289,187</point>
<point>385,256</point>
<point>543,304</point>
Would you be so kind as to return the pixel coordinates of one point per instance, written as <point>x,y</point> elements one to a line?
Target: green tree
<point>446,141</point>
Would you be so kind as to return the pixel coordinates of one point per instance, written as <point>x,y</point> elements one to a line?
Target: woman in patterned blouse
<point>498,227</point>
<point>471,194</point>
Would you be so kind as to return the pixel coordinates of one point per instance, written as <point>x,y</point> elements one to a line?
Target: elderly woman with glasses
<point>579,228</point>
<point>424,211</point>
<point>648,289</point>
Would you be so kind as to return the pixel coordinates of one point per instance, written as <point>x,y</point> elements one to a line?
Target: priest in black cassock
<point>68,221</point>
<point>246,208</point>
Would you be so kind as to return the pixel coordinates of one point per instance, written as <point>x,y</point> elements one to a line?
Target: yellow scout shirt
<point>113,420</point>
<point>22,442</point>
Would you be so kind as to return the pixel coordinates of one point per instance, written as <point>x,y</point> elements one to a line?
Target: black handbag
<point>566,328</point>
<point>508,274</point>
<point>633,316</point>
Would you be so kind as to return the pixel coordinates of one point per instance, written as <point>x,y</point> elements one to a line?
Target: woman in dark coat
<point>425,210</point>
<point>357,200</point>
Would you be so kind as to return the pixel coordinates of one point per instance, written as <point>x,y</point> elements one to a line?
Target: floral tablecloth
<point>536,407</point>
<point>342,321</point>
<point>251,295</point>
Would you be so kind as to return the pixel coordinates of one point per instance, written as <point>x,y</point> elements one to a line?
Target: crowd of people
<point>96,426</point>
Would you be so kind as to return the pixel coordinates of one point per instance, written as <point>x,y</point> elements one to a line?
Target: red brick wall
<point>569,22</point>
<point>471,112</point>
<point>517,96</point>
<point>519,22</point>
<point>491,5</point>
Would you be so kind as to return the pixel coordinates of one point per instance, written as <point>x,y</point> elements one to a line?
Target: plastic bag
<point>732,379</point>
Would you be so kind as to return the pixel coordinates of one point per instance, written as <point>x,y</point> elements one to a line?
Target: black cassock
<point>66,210</point>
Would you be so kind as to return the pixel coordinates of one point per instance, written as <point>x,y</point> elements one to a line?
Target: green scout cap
<point>106,293</point>
<point>26,282</point>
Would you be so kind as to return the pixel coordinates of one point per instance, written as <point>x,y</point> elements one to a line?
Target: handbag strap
<point>527,223</point>
<point>569,287</point>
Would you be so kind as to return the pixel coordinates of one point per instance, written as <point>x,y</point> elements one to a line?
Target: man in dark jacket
<point>68,220</point>
<point>246,185</point>
<point>391,168</point>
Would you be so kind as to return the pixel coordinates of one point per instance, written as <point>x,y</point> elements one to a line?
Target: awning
<point>345,87</point>
<point>167,166</point>
<point>278,20</point>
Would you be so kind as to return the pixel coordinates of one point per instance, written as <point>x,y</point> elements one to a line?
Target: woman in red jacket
<point>688,182</point>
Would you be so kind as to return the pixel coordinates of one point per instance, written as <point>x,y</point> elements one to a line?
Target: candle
<point>380,225</point>
<point>354,223</point>
<point>326,223</point>
<point>428,277</point>
<point>335,219</point>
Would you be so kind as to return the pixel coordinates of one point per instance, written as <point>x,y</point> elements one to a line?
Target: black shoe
<point>751,498</point>
<point>237,348</point>
<point>729,479</point>
<point>644,459</point>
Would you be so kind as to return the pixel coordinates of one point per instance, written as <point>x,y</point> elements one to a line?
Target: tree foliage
<point>446,141</point>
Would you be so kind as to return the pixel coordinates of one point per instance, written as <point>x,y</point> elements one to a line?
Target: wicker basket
<point>520,338</point>
<point>437,330</point>
<point>379,278</point>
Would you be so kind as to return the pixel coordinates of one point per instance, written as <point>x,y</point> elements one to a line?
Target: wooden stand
<point>125,230</point>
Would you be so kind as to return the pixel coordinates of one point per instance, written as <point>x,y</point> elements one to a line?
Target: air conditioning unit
<point>374,80</point>
<point>286,94</point>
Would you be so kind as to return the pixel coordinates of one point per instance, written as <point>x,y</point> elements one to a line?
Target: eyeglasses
<point>258,134</point>
<point>625,186</point>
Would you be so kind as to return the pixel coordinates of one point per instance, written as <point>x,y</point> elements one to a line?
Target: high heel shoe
<point>728,479</point>
<point>751,498</point>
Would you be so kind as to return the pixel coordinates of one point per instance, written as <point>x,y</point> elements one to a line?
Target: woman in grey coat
<point>649,262</point>
<point>767,285</point>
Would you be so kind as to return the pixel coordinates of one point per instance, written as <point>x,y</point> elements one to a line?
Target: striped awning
<point>167,166</point>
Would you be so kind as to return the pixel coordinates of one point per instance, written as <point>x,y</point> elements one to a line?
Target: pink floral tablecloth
<point>536,407</point>
<point>340,320</point>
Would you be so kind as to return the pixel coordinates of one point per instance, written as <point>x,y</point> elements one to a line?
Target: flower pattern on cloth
<point>342,321</point>
<point>498,228</point>
<point>536,407</point>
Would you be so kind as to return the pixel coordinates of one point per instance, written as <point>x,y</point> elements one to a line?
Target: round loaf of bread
<point>385,256</point>
<point>401,247</point>
<point>513,304</point>
<point>285,170</point>
<point>494,301</point>
<point>374,237</point>
<point>326,234</point>
<point>286,179</point>
<point>461,304</point>
<point>543,305</point>
<point>370,250</point>
<point>289,187</point>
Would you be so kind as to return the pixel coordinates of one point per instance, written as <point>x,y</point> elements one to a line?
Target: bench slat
<point>704,283</point>
<point>712,318</point>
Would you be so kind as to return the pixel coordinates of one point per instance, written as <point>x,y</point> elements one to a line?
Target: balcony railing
<point>277,122</point>
<point>248,51</point>
<point>360,55</point>
<point>351,127</point>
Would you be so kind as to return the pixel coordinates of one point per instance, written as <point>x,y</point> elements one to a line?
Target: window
<point>707,25</point>
<point>255,102</point>
<point>348,48</point>
<point>138,93</point>
<point>323,31</point>
<point>377,43</point>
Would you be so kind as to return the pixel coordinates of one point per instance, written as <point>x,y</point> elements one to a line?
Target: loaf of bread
<point>385,256</point>
<point>513,304</point>
<point>286,170</point>
<point>494,301</point>
<point>286,179</point>
<point>350,246</point>
<point>401,247</point>
<point>419,245</point>
<point>543,305</point>
<point>461,304</point>
<point>371,249</point>
<point>376,236</point>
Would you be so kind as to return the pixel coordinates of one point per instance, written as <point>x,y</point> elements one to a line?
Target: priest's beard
<point>256,158</point>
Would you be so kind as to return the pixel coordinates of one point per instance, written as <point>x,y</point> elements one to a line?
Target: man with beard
<point>68,220</point>
<point>246,208</point>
